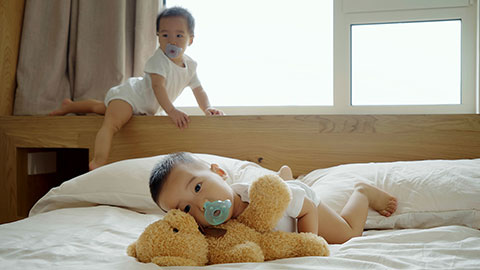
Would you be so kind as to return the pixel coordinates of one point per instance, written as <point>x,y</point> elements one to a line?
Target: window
<point>335,56</point>
<point>413,63</point>
<point>262,53</point>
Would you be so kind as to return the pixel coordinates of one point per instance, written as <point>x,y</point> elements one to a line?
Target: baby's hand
<point>179,118</point>
<point>212,111</point>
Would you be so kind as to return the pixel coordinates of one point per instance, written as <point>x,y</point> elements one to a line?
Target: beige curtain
<point>78,49</point>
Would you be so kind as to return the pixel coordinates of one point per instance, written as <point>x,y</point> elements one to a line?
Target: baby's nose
<point>201,205</point>
<point>204,202</point>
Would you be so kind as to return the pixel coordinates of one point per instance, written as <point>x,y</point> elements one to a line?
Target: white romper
<point>138,92</point>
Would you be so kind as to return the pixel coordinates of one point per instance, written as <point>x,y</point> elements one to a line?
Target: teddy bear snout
<point>181,221</point>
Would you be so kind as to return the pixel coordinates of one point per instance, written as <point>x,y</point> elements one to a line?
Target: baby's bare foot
<point>285,173</point>
<point>378,200</point>
<point>63,108</point>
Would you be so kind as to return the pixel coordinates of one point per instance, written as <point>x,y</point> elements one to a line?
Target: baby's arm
<point>178,117</point>
<point>204,103</point>
<point>307,220</point>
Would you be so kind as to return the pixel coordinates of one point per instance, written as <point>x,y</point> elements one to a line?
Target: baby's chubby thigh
<point>331,225</point>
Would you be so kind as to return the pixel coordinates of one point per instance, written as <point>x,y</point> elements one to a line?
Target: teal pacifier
<point>217,212</point>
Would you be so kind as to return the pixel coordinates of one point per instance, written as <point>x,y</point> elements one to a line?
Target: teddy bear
<point>177,240</point>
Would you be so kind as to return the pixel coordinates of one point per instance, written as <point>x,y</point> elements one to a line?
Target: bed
<point>431,163</point>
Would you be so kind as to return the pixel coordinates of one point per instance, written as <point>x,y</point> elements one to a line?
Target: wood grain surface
<point>304,142</point>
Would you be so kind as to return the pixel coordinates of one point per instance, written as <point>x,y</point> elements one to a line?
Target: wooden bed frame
<point>304,142</point>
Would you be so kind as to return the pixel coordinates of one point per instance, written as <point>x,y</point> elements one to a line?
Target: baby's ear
<point>216,169</point>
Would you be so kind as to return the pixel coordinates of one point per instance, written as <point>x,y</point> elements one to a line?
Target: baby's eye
<point>164,35</point>
<point>187,209</point>
<point>179,36</point>
<point>198,187</point>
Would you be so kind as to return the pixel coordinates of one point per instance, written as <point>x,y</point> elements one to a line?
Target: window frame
<point>354,12</point>
<point>351,12</point>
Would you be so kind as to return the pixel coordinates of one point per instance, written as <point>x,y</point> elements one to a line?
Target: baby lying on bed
<point>181,181</point>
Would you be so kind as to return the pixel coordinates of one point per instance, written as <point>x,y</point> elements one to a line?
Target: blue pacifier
<point>217,212</point>
<point>172,51</point>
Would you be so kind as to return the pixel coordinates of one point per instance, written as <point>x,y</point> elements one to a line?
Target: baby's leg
<point>116,116</point>
<point>285,173</point>
<point>337,229</point>
<point>83,106</point>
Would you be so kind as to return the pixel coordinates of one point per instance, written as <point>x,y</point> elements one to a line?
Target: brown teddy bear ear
<point>181,221</point>
<point>132,249</point>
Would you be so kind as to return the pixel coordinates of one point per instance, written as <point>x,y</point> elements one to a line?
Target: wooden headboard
<point>304,142</point>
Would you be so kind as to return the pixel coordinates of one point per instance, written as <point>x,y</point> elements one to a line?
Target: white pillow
<point>125,184</point>
<point>430,193</point>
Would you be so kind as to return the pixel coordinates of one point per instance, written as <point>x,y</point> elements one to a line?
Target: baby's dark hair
<point>178,12</point>
<point>163,168</point>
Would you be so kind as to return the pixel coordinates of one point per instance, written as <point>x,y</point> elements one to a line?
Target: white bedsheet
<point>97,237</point>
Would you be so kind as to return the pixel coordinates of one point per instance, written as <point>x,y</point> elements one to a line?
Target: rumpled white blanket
<point>97,237</point>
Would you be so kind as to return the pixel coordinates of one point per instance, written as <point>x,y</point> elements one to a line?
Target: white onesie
<point>138,92</point>
<point>288,222</point>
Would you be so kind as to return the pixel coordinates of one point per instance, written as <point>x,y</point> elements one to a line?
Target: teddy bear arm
<point>173,261</point>
<point>269,198</point>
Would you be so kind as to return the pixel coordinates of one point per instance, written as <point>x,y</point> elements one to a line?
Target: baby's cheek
<point>202,221</point>
<point>198,216</point>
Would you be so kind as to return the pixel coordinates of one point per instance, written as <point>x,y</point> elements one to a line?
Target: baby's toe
<point>385,213</point>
